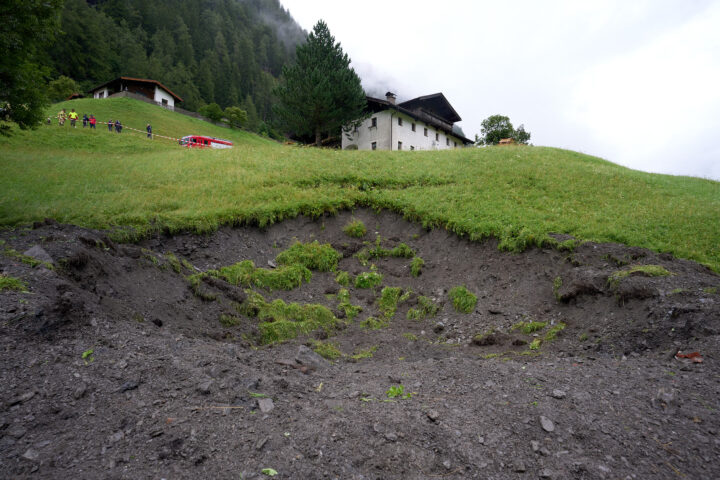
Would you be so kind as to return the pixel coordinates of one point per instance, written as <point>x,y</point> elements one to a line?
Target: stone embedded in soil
<point>559,394</point>
<point>79,392</point>
<point>433,415</point>
<point>116,437</point>
<point>31,454</point>
<point>39,253</point>
<point>547,424</point>
<point>127,386</point>
<point>265,405</point>
<point>310,359</point>
<point>519,467</point>
<point>204,387</point>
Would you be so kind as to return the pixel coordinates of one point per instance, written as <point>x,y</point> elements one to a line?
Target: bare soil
<point>170,392</point>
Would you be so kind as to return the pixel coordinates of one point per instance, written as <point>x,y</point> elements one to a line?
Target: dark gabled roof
<point>139,80</point>
<point>378,104</point>
<point>436,104</point>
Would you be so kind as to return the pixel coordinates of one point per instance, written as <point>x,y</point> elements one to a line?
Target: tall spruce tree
<point>321,93</point>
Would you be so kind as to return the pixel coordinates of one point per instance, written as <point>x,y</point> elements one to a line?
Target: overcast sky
<point>635,82</point>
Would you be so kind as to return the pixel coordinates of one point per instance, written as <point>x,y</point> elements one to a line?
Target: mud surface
<point>168,391</point>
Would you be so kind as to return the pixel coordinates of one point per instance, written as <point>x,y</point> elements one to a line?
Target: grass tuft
<point>644,270</point>
<point>416,266</point>
<point>463,301</point>
<point>355,229</point>
<point>351,311</point>
<point>529,327</point>
<point>343,278</point>
<point>327,350</point>
<point>425,308</point>
<point>313,256</point>
<point>11,283</point>
<point>368,280</point>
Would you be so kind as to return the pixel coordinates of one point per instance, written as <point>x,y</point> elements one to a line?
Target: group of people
<point>73,116</point>
<point>62,116</point>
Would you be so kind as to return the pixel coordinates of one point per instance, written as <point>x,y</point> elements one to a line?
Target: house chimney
<point>390,97</point>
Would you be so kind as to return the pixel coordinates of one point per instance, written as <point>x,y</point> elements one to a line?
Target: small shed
<point>506,141</point>
<point>150,89</point>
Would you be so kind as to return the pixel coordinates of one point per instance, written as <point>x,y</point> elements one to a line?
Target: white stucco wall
<point>161,95</point>
<point>103,93</point>
<point>389,131</point>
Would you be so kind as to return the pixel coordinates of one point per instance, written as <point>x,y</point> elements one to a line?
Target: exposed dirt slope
<point>170,392</point>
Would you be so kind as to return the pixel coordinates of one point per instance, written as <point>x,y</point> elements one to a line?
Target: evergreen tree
<point>321,93</point>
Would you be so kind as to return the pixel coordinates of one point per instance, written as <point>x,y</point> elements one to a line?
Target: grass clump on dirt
<point>26,259</point>
<point>529,328</point>
<point>343,278</point>
<point>327,350</point>
<point>281,321</point>
<point>370,252</point>
<point>286,277</point>
<point>463,301</point>
<point>557,284</point>
<point>11,283</point>
<point>425,308</point>
<point>351,311</point>
<point>644,270</point>
<point>174,262</point>
<point>416,266</point>
<point>368,280</point>
<point>363,354</point>
<point>553,332</point>
<point>314,256</point>
<point>195,282</point>
<point>388,303</point>
<point>372,323</point>
<point>355,229</point>
<point>229,320</point>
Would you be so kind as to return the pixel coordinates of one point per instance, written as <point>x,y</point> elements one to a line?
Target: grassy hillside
<point>517,194</point>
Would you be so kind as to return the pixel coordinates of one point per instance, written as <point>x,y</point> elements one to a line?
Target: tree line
<point>229,53</point>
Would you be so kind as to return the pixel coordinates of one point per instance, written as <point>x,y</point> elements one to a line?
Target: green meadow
<point>517,194</point>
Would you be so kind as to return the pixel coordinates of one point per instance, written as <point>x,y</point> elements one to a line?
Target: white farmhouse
<point>150,90</point>
<point>423,123</point>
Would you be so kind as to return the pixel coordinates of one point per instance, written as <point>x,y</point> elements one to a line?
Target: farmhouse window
<point>437,137</point>
<point>373,145</point>
<point>447,141</point>
<point>413,127</point>
<point>400,121</point>
<point>425,131</point>
<point>399,145</point>
<point>373,122</point>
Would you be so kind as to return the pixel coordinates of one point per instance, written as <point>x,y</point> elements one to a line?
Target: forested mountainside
<point>225,51</point>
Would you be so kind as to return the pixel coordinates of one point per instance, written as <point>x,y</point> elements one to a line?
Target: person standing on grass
<point>110,125</point>
<point>92,121</point>
<point>118,126</point>
<point>85,120</point>
<point>149,130</point>
<point>61,117</point>
<point>73,117</point>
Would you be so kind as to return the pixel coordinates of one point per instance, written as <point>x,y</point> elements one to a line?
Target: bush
<point>416,266</point>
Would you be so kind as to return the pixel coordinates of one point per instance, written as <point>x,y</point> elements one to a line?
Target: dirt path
<point>114,366</point>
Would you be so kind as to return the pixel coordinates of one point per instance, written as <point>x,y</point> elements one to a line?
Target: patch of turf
<point>644,270</point>
<point>370,252</point>
<point>286,277</point>
<point>362,354</point>
<point>229,320</point>
<point>323,258</point>
<point>343,278</point>
<point>355,229</point>
<point>372,323</point>
<point>351,311</point>
<point>327,350</point>
<point>463,301</point>
<point>368,280</point>
<point>529,327</point>
<point>425,308</point>
<point>389,298</point>
<point>553,332</point>
<point>416,266</point>
<point>281,322</point>
<point>11,283</point>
